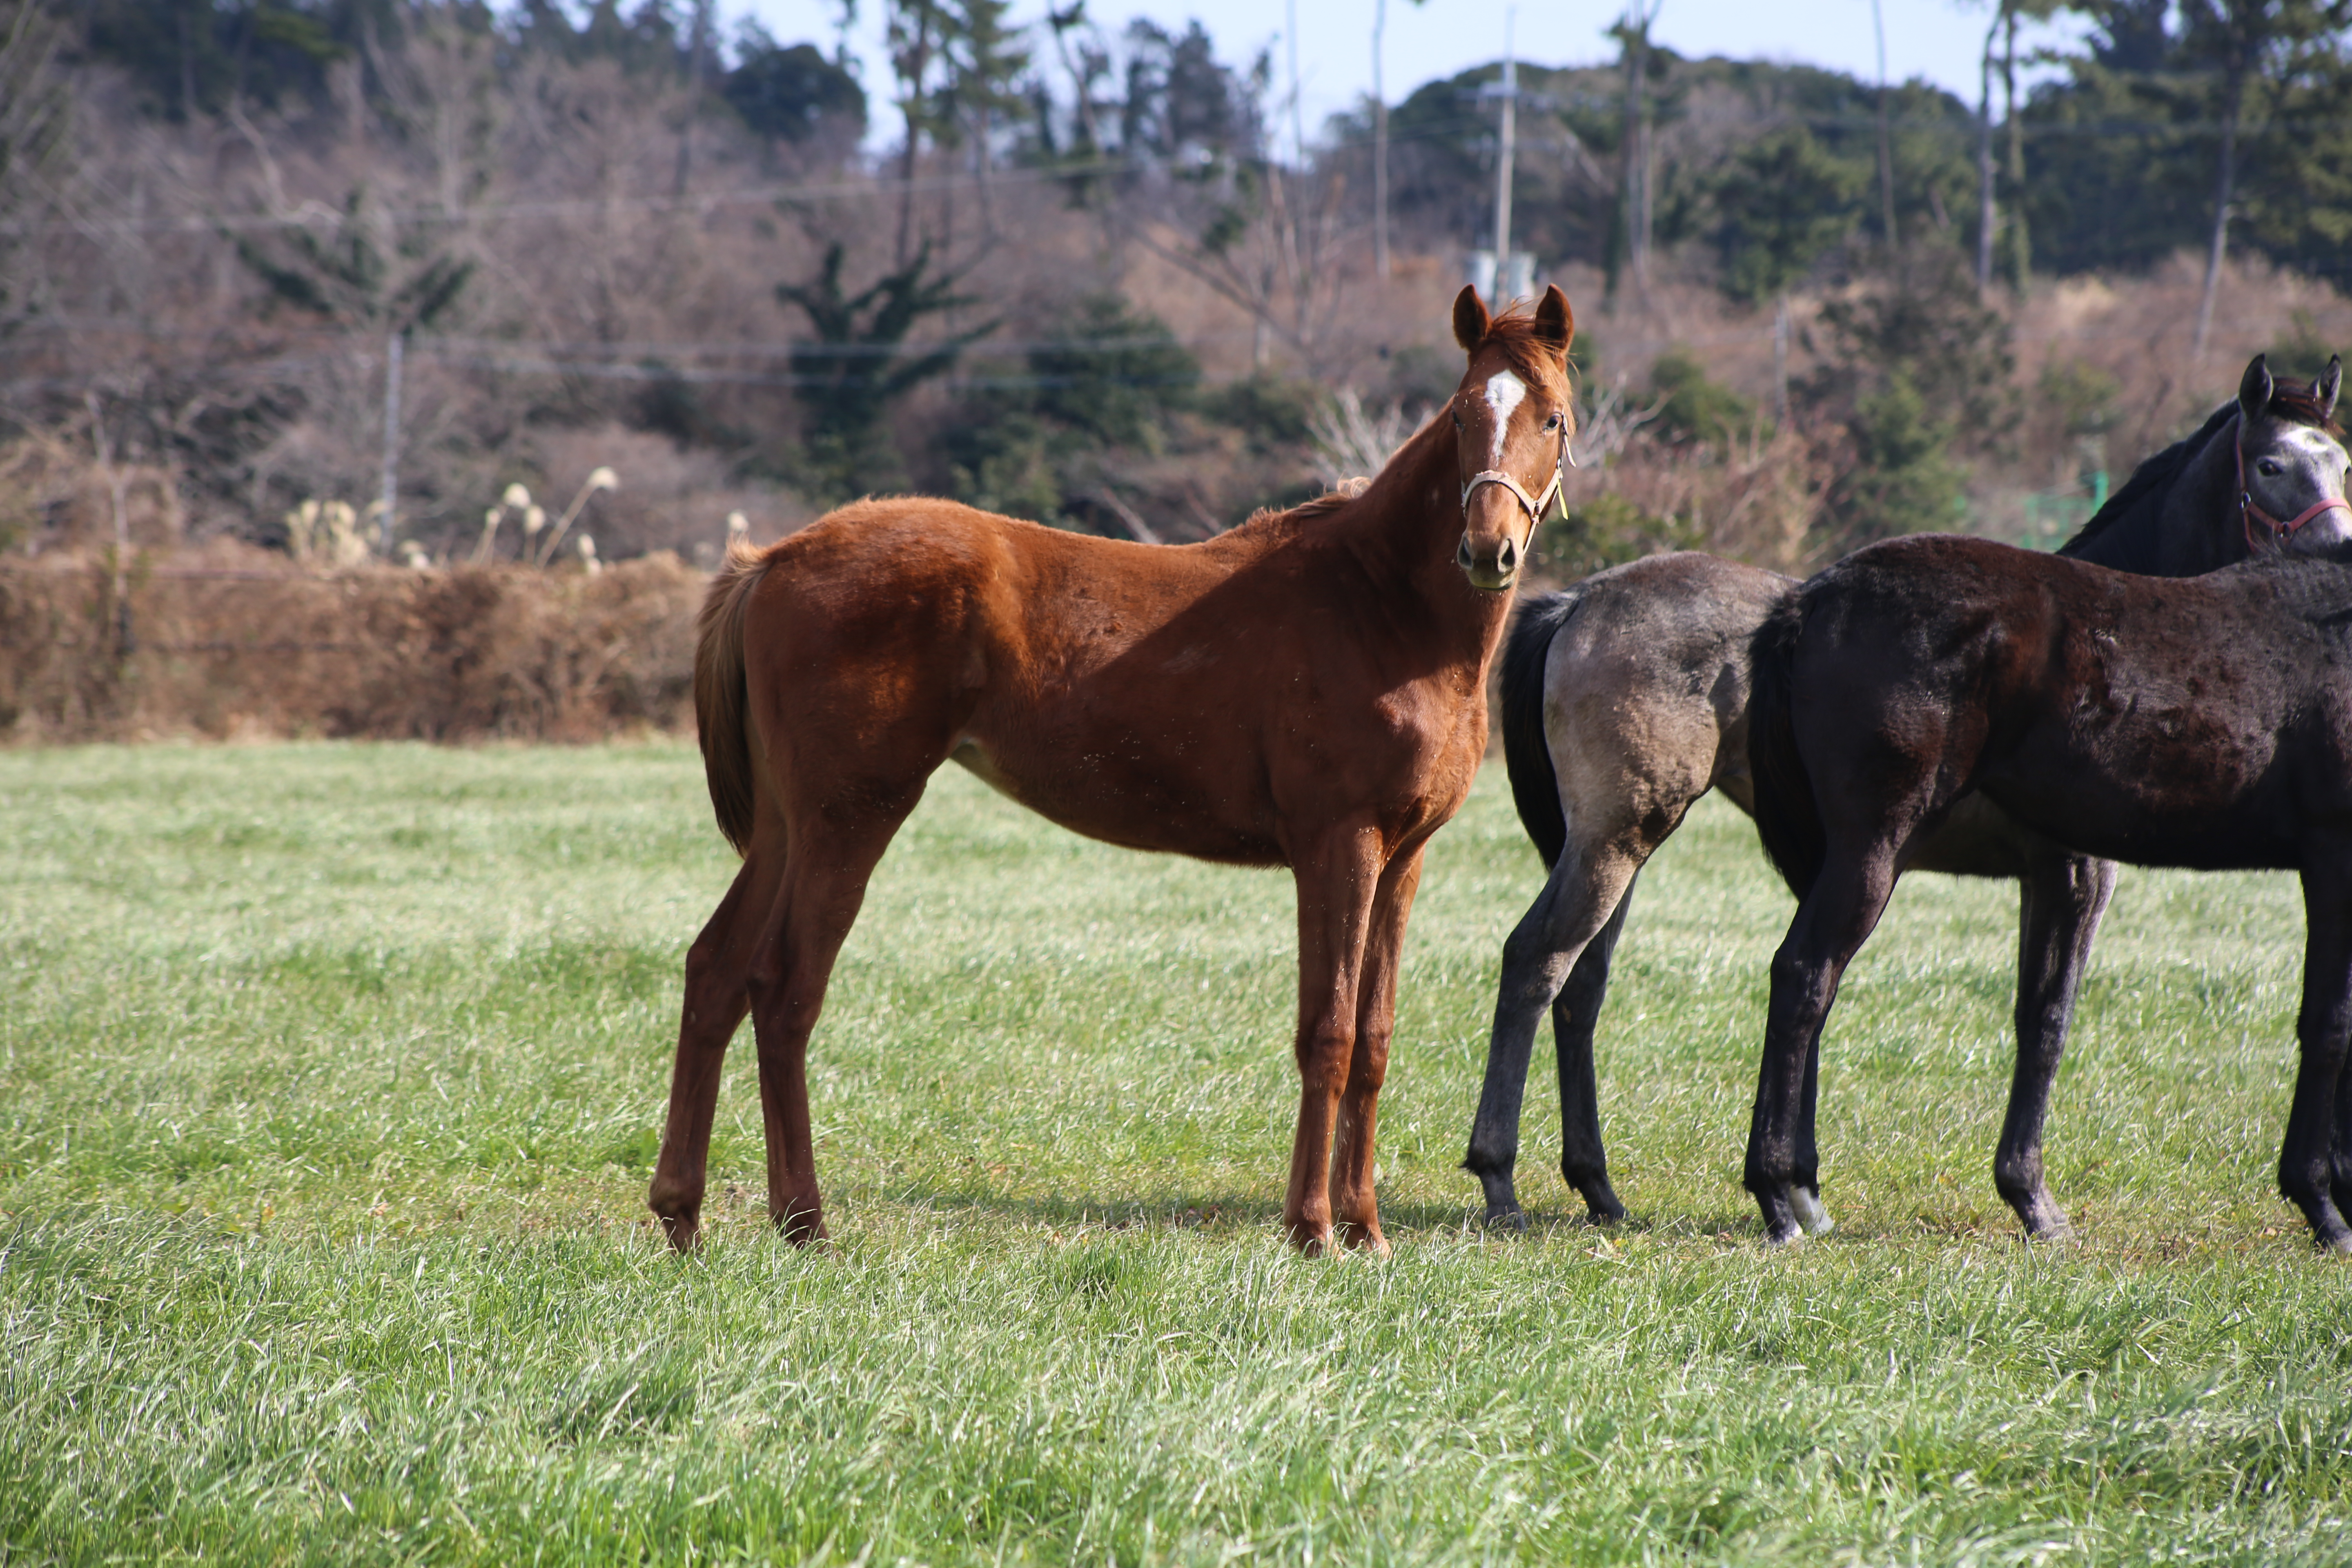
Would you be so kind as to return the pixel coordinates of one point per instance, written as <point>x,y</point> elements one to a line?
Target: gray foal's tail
<point>1535,788</point>
<point>1787,817</point>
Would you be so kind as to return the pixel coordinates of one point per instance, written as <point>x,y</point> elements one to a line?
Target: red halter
<point>2248,510</point>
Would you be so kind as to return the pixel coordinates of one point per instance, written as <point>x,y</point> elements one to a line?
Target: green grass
<point>328,1078</point>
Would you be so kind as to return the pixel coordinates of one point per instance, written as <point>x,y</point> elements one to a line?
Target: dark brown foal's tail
<point>1527,754</point>
<point>1787,817</point>
<point>719,692</point>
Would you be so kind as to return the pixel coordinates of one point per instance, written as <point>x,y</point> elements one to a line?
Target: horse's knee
<point>1324,1059</point>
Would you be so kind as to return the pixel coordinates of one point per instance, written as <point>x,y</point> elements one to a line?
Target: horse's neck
<point>2204,525</point>
<point>1405,528</point>
<point>2188,526</point>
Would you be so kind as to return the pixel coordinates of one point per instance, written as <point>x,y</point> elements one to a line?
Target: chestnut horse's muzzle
<point>1501,569</point>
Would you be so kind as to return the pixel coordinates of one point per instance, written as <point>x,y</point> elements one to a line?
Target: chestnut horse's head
<point>2290,467</point>
<point>1513,420</point>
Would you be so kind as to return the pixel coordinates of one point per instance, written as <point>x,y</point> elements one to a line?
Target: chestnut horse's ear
<point>2254,390</point>
<point>1554,323</point>
<point>1470,319</point>
<point>2330,382</point>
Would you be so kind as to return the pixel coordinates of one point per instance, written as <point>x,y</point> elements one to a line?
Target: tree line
<point>439,170</point>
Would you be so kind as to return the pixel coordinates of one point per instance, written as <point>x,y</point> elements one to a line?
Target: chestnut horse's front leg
<point>1337,881</point>
<point>1354,1206</point>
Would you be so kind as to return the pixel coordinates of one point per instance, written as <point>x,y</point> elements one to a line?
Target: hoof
<point>1807,1202</point>
<point>801,1227</point>
<point>2337,1246</point>
<point>1600,1204</point>
<point>683,1232</point>
<point>1506,1217</point>
<point>1781,1226</point>
<point>2045,1221</point>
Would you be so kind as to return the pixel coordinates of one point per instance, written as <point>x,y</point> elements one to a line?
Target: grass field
<point>328,1078</point>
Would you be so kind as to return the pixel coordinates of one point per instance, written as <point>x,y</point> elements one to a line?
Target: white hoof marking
<point>1809,1212</point>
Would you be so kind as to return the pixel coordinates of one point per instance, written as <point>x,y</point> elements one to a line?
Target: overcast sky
<point>1938,40</point>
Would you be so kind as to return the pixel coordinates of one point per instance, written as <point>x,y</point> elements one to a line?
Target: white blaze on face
<point>2326,459</point>
<point>2314,465</point>
<point>1505,392</point>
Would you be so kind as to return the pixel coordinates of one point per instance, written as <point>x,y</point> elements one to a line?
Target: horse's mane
<point>2297,406</point>
<point>2152,474</point>
<point>1309,510</point>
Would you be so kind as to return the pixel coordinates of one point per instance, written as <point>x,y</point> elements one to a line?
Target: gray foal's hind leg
<point>1549,942</point>
<point>1584,1162</point>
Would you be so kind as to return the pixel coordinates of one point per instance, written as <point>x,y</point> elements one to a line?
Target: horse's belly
<point>2153,822</point>
<point>1132,800</point>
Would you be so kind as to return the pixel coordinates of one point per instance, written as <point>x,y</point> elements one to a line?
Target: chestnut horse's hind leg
<point>824,884</point>
<point>1566,936</point>
<point>2309,1167</point>
<point>716,999</point>
<point>1336,883</point>
<point>2061,899</point>
<point>1355,1207</point>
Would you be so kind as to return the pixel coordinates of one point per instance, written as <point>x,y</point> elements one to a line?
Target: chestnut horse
<point>1916,671</point>
<point>1625,698</point>
<point>1306,690</point>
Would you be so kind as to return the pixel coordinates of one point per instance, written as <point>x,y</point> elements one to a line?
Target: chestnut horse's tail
<point>1527,752</point>
<point>718,692</point>
<point>1787,817</point>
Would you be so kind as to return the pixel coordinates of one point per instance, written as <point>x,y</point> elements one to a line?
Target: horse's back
<point>2148,720</point>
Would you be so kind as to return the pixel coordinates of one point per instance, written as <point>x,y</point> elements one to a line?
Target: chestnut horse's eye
<point>1552,423</point>
<point>1457,419</point>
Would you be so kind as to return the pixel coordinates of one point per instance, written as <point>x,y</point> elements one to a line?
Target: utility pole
<point>2019,255</point>
<point>1988,215</point>
<point>697,63</point>
<point>1885,141</point>
<point>1505,156</point>
<point>1298,133</point>
<point>390,445</point>
<point>1634,184</point>
<point>1380,145</point>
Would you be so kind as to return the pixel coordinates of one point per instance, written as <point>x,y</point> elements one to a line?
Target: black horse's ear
<point>1554,323</point>
<point>1470,319</point>
<point>2254,390</point>
<point>2330,382</point>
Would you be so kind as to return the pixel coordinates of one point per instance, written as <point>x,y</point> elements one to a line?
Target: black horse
<point>1919,671</point>
<point>1625,698</point>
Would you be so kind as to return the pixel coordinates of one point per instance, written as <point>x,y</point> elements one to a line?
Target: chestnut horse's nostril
<point>1462,553</point>
<point>1507,558</point>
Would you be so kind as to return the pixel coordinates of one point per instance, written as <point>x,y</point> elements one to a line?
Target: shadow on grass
<point>1230,1212</point>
